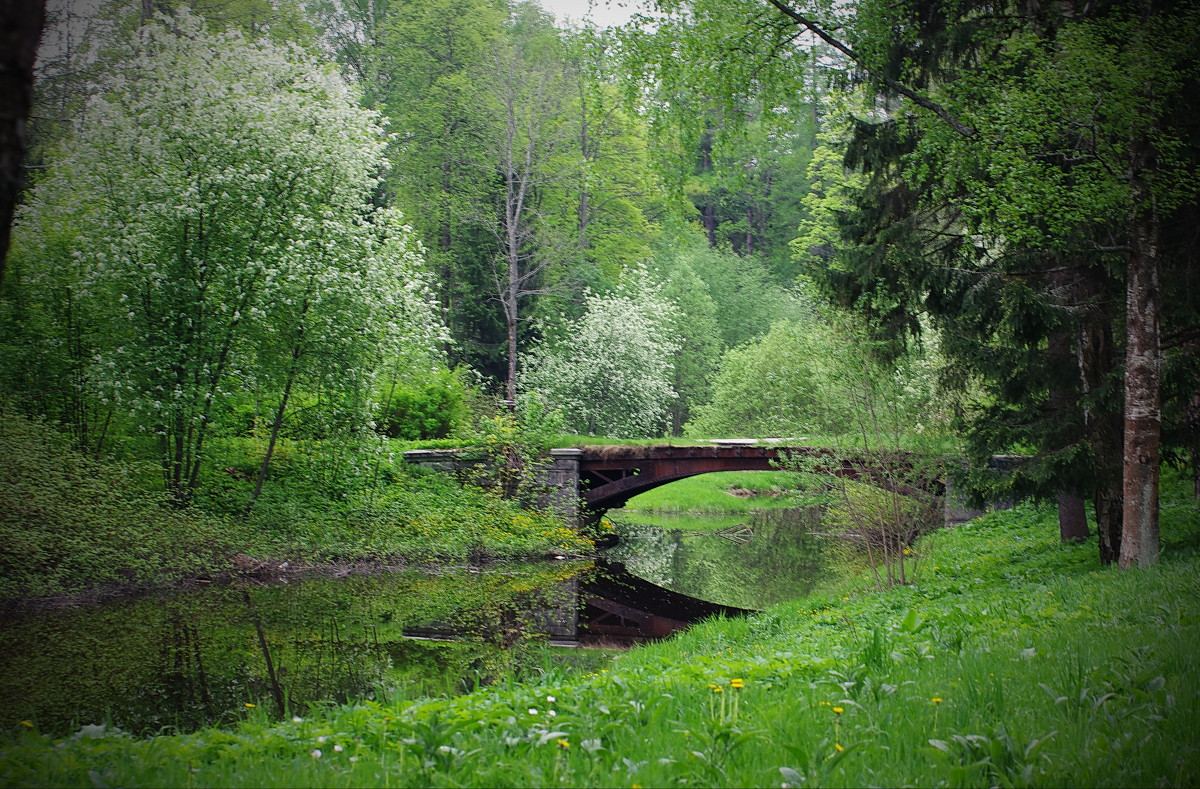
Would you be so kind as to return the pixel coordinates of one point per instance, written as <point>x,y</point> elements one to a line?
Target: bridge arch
<point>611,475</point>
<point>606,477</point>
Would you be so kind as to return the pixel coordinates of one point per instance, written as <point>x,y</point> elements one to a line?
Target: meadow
<point>1011,660</point>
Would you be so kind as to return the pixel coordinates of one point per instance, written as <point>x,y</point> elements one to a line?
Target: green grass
<point>691,522</point>
<point>70,524</point>
<point>711,493</point>
<point>1013,661</point>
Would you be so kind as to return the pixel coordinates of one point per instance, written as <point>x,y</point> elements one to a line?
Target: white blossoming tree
<point>210,229</point>
<point>611,373</point>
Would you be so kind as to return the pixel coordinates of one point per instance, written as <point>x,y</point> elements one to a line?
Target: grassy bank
<point>723,491</point>
<point>1014,661</point>
<point>70,524</point>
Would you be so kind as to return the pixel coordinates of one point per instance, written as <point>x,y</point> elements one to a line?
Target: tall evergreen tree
<point>1020,154</point>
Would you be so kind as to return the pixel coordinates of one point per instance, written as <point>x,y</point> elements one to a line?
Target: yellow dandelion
<point>737,683</point>
<point>838,747</point>
<point>937,699</point>
<point>250,706</point>
<point>27,724</point>
<point>824,703</point>
<point>562,743</point>
<point>838,710</point>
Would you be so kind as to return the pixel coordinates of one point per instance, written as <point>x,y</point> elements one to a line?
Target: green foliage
<point>778,385</point>
<point>612,375</point>
<point>1014,660</point>
<point>432,406</point>
<point>184,251</point>
<point>747,297</point>
<point>69,523</point>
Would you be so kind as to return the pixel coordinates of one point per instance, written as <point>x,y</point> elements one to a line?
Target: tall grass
<point>1013,660</point>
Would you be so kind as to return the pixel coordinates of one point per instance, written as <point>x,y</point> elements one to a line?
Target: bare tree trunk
<point>510,385</point>
<point>21,24</point>
<point>708,217</point>
<point>1143,397</point>
<point>276,424</point>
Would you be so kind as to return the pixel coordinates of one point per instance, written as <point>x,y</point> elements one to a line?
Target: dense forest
<point>965,226</point>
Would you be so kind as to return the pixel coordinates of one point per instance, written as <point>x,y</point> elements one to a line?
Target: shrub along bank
<point>69,524</point>
<point>1013,661</point>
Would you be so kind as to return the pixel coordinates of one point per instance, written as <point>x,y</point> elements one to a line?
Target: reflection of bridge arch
<point>611,475</point>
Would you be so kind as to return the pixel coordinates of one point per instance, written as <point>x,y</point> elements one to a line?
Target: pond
<point>745,560</point>
<point>213,654</point>
<point>201,656</point>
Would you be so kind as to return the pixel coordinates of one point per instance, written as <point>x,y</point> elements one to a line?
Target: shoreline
<point>257,572</point>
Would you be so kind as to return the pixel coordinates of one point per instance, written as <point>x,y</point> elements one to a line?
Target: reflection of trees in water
<point>782,560</point>
<point>648,552</point>
<point>186,660</point>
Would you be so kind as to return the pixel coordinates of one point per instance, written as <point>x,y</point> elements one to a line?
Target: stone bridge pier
<point>560,477</point>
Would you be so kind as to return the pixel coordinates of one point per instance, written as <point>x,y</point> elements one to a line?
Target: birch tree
<point>534,129</point>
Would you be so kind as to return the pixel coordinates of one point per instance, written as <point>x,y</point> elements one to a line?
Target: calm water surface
<point>747,560</point>
<point>193,658</point>
<point>199,657</point>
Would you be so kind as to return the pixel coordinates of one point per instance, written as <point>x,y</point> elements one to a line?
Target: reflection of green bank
<point>709,557</point>
<point>190,659</point>
<point>671,520</point>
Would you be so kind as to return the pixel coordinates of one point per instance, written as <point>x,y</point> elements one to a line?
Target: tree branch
<point>916,98</point>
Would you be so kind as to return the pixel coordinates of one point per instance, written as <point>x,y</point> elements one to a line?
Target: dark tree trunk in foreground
<point>1097,360</point>
<point>1193,416</point>
<point>21,24</point>
<point>1072,515</point>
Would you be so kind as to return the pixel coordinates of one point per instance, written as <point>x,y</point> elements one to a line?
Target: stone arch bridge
<point>605,477</point>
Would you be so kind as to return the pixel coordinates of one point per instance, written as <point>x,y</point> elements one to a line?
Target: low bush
<point>432,407</point>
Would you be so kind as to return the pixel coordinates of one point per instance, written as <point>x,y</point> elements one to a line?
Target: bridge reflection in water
<point>189,658</point>
<point>609,607</point>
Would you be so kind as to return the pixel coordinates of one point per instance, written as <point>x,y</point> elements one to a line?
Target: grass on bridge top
<point>914,443</point>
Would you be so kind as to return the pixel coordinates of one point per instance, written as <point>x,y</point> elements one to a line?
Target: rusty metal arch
<point>611,475</point>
